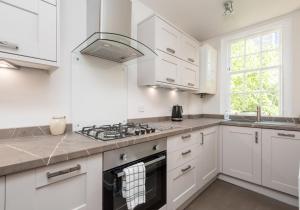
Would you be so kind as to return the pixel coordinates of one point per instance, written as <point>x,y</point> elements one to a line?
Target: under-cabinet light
<point>7,65</point>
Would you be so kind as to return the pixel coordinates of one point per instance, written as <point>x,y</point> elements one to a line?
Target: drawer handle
<point>171,50</point>
<point>186,137</point>
<point>9,45</point>
<point>287,135</point>
<point>62,172</point>
<point>184,170</point>
<point>191,60</point>
<point>186,153</point>
<point>191,84</point>
<point>170,80</point>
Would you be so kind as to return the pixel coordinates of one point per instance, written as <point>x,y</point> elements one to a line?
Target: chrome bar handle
<point>186,153</point>
<point>170,50</point>
<point>256,137</point>
<point>170,79</point>
<point>63,172</point>
<point>186,136</point>
<point>202,139</point>
<point>184,170</point>
<point>286,135</point>
<point>9,45</point>
<point>191,60</point>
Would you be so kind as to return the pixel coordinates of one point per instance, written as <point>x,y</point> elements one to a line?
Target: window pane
<point>270,80</point>
<point>271,41</point>
<point>253,45</point>
<point>252,81</point>
<point>237,83</point>
<point>271,58</point>
<point>270,103</point>
<point>237,48</point>
<point>251,101</point>
<point>237,103</point>
<point>252,62</point>
<point>237,64</point>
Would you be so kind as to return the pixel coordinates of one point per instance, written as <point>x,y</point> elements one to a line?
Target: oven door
<point>155,185</point>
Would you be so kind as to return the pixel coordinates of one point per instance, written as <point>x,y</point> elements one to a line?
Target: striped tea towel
<point>133,185</point>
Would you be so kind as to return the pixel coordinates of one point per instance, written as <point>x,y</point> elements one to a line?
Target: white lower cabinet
<point>242,153</point>
<point>182,184</point>
<point>280,160</point>
<point>208,156</point>
<point>72,185</point>
<point>2,193</point>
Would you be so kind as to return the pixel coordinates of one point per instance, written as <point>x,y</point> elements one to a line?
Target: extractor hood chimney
<point>109,32</point>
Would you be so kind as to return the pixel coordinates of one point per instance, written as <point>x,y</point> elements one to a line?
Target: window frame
<point>283,27</point>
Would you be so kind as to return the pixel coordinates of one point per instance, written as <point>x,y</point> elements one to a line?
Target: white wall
<point>215,104</point>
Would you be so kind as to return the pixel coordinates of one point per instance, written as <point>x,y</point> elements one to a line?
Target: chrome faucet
<point>258,114</point>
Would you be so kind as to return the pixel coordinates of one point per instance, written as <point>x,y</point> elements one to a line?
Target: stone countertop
<point>25,153</point>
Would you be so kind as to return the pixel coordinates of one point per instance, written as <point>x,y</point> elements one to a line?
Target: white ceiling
<point>204,19</point>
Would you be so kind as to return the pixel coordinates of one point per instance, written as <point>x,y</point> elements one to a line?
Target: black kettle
<point>177,113</point>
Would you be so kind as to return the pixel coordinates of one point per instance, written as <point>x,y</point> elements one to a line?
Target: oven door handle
<point>120,174</point>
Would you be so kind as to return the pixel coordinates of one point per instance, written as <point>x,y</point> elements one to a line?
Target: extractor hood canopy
<point>109,29</point>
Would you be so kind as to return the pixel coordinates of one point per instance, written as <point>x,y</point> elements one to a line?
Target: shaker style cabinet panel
<point>242,153</point>
<point>2,193</point>
<point>29,32</point>
<point>177,60</point>
<point>280,160</point>
<point>47,189</point>
<point>208,158</point>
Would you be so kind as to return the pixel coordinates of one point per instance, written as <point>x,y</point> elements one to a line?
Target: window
<point>255,65</point>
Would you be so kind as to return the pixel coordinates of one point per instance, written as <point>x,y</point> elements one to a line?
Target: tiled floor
<point>224,196</point>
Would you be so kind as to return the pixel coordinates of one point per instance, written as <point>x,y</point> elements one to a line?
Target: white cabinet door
<point>77,190</point>
<point>2,193</point>
<point>281,157</point>
<point>208,158</point>
<point>181,184</point>
<point>19,33</point>
<point>190,50</point>
<point>167,68</point>
<point>47,31</point>
<point>167,37</point>
<point>242,153</point>
<point>189,75</point>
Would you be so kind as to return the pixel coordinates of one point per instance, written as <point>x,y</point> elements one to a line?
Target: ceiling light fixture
<point>7,65</point>
<point>228,6</point>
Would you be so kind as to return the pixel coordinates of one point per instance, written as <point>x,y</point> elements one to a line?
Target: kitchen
<point>204,103</point>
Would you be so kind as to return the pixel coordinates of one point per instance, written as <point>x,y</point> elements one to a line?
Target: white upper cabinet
<point>280,160</point>
<point>208,70</point>
<point>29,33</point>
<point>242,153</point>
<point>72,185</point>
<point>177,54</point>
<point>2,193</point>
<point>190,50</point>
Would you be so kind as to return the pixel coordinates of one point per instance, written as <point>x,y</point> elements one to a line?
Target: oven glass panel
<point>155,186</point>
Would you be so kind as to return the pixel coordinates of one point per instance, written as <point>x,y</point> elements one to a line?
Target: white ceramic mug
<point>58,125</point>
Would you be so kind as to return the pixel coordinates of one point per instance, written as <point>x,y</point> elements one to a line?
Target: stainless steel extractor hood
<point>109,32</point>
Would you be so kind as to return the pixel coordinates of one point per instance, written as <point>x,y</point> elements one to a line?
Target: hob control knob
<point>156,147</point>
<point>123,157</point>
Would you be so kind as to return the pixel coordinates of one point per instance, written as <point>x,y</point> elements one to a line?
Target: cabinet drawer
<point>55,173</point>
<point>179,157</point>
<point>182,141</point>
<point>167,68</point>
<point>181,184</point>
<point>19,32</point>
<point>189,75</point>
<point>167,37</point>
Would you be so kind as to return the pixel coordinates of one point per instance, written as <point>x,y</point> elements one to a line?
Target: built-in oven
<point>153,155</point>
